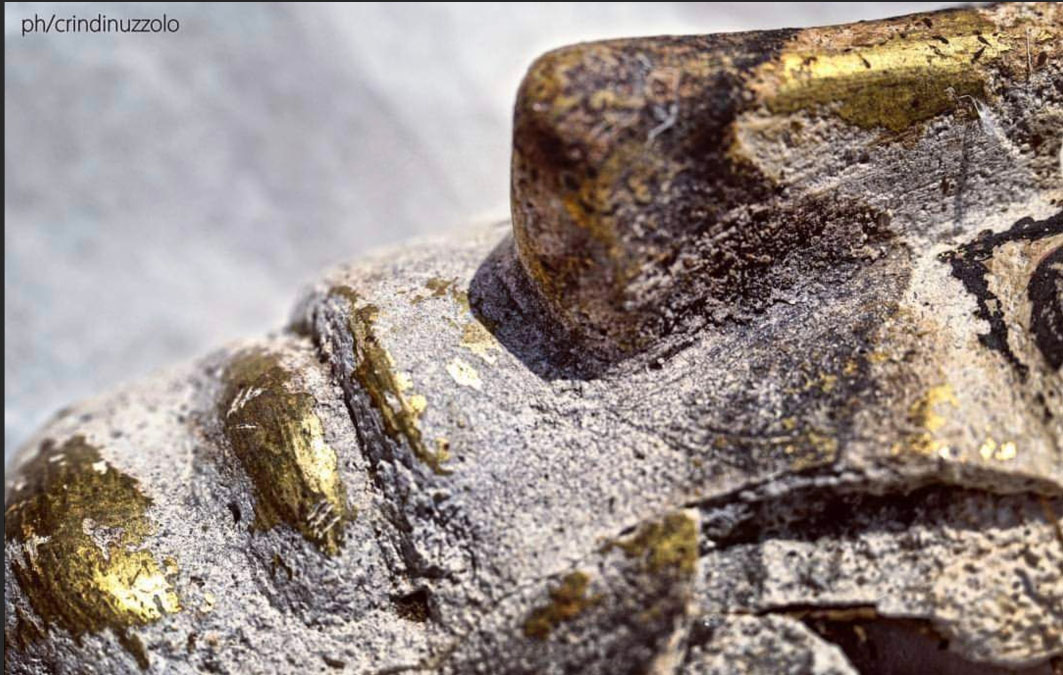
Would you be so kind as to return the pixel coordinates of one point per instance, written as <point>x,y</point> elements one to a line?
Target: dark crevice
<point>413,606</point>
<point>331,662</point>
<point>874,644</point>
<point>888,646</point>
<point>877,645</point>
<point>234,509</point>
<point>811,512</point>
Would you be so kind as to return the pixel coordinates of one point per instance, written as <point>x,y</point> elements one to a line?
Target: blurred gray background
<point>165,193</point>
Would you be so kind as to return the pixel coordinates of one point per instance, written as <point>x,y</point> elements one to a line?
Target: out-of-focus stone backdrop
<point>165,193</point>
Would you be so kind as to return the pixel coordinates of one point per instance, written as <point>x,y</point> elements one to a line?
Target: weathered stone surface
<point>769,644</point>
<point>453,461</point>
<point>656,176</point>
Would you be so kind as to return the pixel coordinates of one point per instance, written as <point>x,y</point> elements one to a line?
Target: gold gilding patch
<point>280,442</point>
<point>811,448</point>
<point>418,404</point>
<point>387,388</point>
<point>74,579</point>
<point>1001,452</point>
<point>567,601</point>
<point>479,341</point>
<point>925,411</point>
<point>925,414</point>
<point>670,544</point>
<point>438,288</point>
<point>889,74</point>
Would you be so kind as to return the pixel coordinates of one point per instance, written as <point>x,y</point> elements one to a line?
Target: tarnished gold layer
<point>279,440</point>
<point>82,526</point>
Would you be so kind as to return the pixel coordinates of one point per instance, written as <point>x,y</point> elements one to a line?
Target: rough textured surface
<point>770,644</point>
<point>846,458</point>
<point>641,166</point>
<point>251,177</point>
